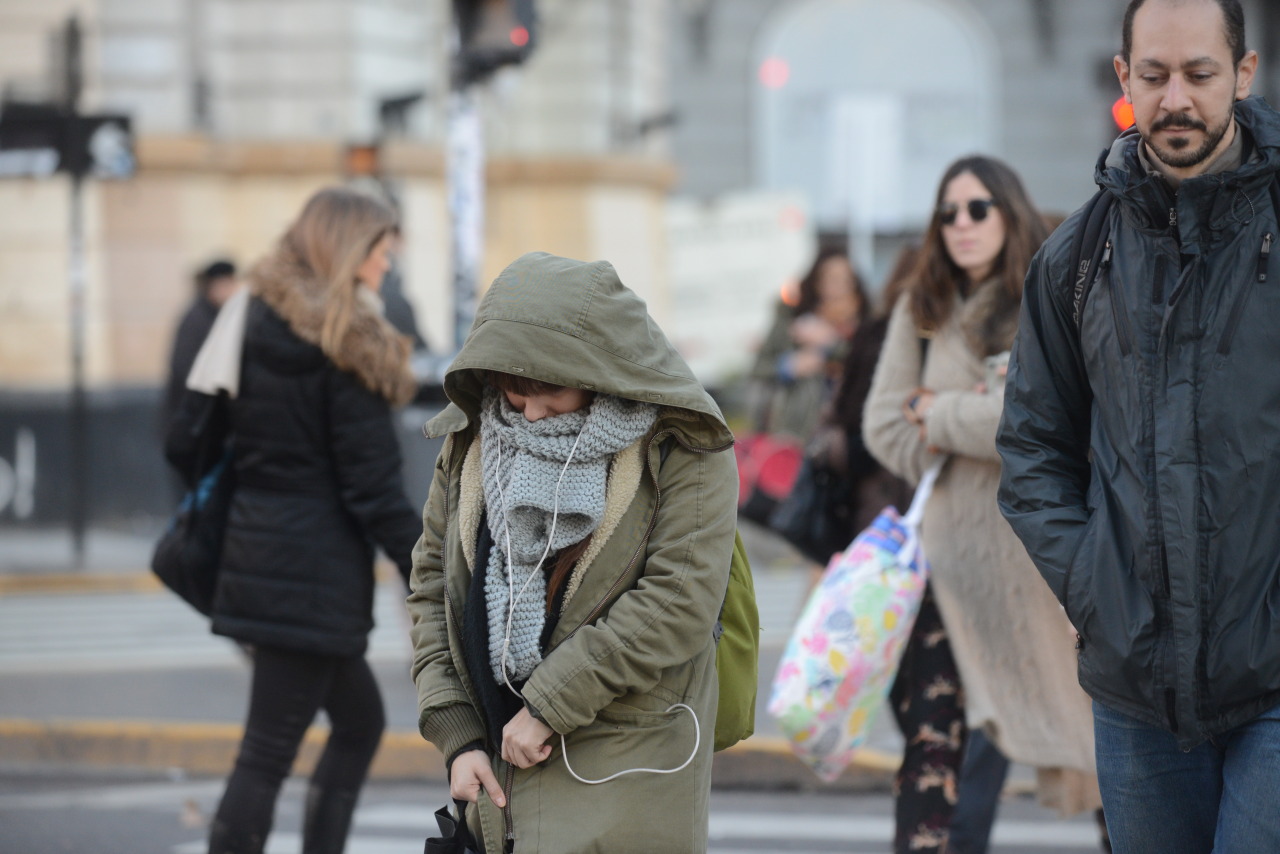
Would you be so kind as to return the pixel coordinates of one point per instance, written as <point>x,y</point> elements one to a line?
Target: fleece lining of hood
<point>575,324</point>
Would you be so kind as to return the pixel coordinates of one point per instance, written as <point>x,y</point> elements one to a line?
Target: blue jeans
<point>1221,797</point>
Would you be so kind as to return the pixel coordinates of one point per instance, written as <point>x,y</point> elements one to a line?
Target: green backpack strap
<point>737,638</point>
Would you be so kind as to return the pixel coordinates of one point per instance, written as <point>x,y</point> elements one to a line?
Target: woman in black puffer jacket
<point>318,486</point>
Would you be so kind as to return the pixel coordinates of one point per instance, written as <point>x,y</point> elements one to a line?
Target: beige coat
<point>1013,645</point>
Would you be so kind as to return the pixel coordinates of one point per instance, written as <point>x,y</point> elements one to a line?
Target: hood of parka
<point>573,323</point>
<point>1220,201</point>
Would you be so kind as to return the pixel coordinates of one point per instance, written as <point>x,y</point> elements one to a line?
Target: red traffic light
<point>1122,112</point>
<point>774,73</point>
<point>519,36</point>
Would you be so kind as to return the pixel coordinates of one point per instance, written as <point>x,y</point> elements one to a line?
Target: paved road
<point>71,632</point>
<point>121,815</point>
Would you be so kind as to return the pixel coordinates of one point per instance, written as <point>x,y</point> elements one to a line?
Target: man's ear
<point>1245,72</point>
<point>1122,73</point>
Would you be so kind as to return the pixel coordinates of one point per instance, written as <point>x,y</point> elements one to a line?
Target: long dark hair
<point>569,555</point>
<point>937,279</point>
<point>809,297</point>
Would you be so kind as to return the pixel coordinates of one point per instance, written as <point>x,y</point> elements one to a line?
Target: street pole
<point>466,204</point>
<point>79,433</point>
<point>73,78</point>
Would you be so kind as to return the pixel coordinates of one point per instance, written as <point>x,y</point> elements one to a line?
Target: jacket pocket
<point>1114,611</point>
<point>1237,310</point>
<point>623,738</point>
<point>633,813</point>
<point>1073,573</point>
<point>1124,328</point>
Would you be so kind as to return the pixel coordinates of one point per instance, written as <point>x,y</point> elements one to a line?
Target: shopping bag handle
<point>915,513</point>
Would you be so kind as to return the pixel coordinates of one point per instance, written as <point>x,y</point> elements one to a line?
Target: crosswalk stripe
<point>291,843</point>
<point>67,634</point>
<point>727,826</point>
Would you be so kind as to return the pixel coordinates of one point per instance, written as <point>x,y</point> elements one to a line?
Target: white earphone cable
<point>697,741</point>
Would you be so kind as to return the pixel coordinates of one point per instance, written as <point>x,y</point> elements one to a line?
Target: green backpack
<point>737,634</point>
<point>737,653</point>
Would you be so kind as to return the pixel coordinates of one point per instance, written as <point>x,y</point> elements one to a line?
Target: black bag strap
<point>455,837</point>
<point>1091,236</point>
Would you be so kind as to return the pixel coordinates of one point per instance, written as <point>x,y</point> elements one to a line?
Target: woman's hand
<point>917,405</point>
<point>524,740</point>
<point>807,362</point>
<point>916,409</point>
<point>471,771</point>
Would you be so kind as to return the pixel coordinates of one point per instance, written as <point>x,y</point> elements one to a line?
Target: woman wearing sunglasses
<point>991,650</point>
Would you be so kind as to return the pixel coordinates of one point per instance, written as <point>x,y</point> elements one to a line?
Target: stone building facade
<point>241,108</point>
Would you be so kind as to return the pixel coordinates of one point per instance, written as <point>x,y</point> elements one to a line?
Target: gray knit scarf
<point>521,463</point>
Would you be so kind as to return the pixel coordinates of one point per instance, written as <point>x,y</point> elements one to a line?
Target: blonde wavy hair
<point>334,234</point>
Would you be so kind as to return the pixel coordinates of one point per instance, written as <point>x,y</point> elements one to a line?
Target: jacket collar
<point>1208,207</point>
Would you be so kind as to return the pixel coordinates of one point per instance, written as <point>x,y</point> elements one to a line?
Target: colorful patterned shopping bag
<point>845,649</point>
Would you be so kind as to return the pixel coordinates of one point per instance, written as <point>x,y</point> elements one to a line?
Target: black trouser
<point>289,688</point>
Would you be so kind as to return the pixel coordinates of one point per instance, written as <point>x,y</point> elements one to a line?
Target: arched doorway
<point>861,105</point>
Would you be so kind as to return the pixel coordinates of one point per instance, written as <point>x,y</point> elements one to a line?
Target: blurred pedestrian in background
<point>318,485</point>
<point>573,563</point>
<point>860,487</point>
<point>214,283</point>
<point>989,643</point>
<point>799,362</point>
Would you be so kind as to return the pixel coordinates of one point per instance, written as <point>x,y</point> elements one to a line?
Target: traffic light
<point>491,34</point>
<point>1122,112</point>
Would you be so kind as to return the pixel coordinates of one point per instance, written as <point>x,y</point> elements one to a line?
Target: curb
<point>209,749</point>
<point>45,583</point>
<point>132,581</point>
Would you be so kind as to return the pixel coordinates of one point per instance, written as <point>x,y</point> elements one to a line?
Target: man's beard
<point>1175,155</point>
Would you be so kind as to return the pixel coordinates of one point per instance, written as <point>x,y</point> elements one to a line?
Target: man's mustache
<point>1178,120</point>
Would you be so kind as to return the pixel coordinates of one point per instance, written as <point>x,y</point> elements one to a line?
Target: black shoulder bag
<point>188,554</point>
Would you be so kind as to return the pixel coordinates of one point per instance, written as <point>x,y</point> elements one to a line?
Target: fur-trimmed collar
<point>372,349</point>
<point>989,318</point>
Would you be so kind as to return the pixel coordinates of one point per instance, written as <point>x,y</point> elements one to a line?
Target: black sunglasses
<point>978,210</point>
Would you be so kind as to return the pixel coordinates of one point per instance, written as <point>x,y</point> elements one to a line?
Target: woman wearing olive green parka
<point>620,671</point>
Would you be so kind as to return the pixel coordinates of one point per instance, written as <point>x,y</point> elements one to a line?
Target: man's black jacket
<point>1141,448</point>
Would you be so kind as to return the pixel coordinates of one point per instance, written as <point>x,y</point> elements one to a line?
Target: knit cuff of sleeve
<point>448,763</point>
<point>451,728</point>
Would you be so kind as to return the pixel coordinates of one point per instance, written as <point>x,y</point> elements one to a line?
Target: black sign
<point>37,140</point>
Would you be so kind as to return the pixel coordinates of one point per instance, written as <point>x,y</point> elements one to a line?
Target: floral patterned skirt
<point>928,703</point>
